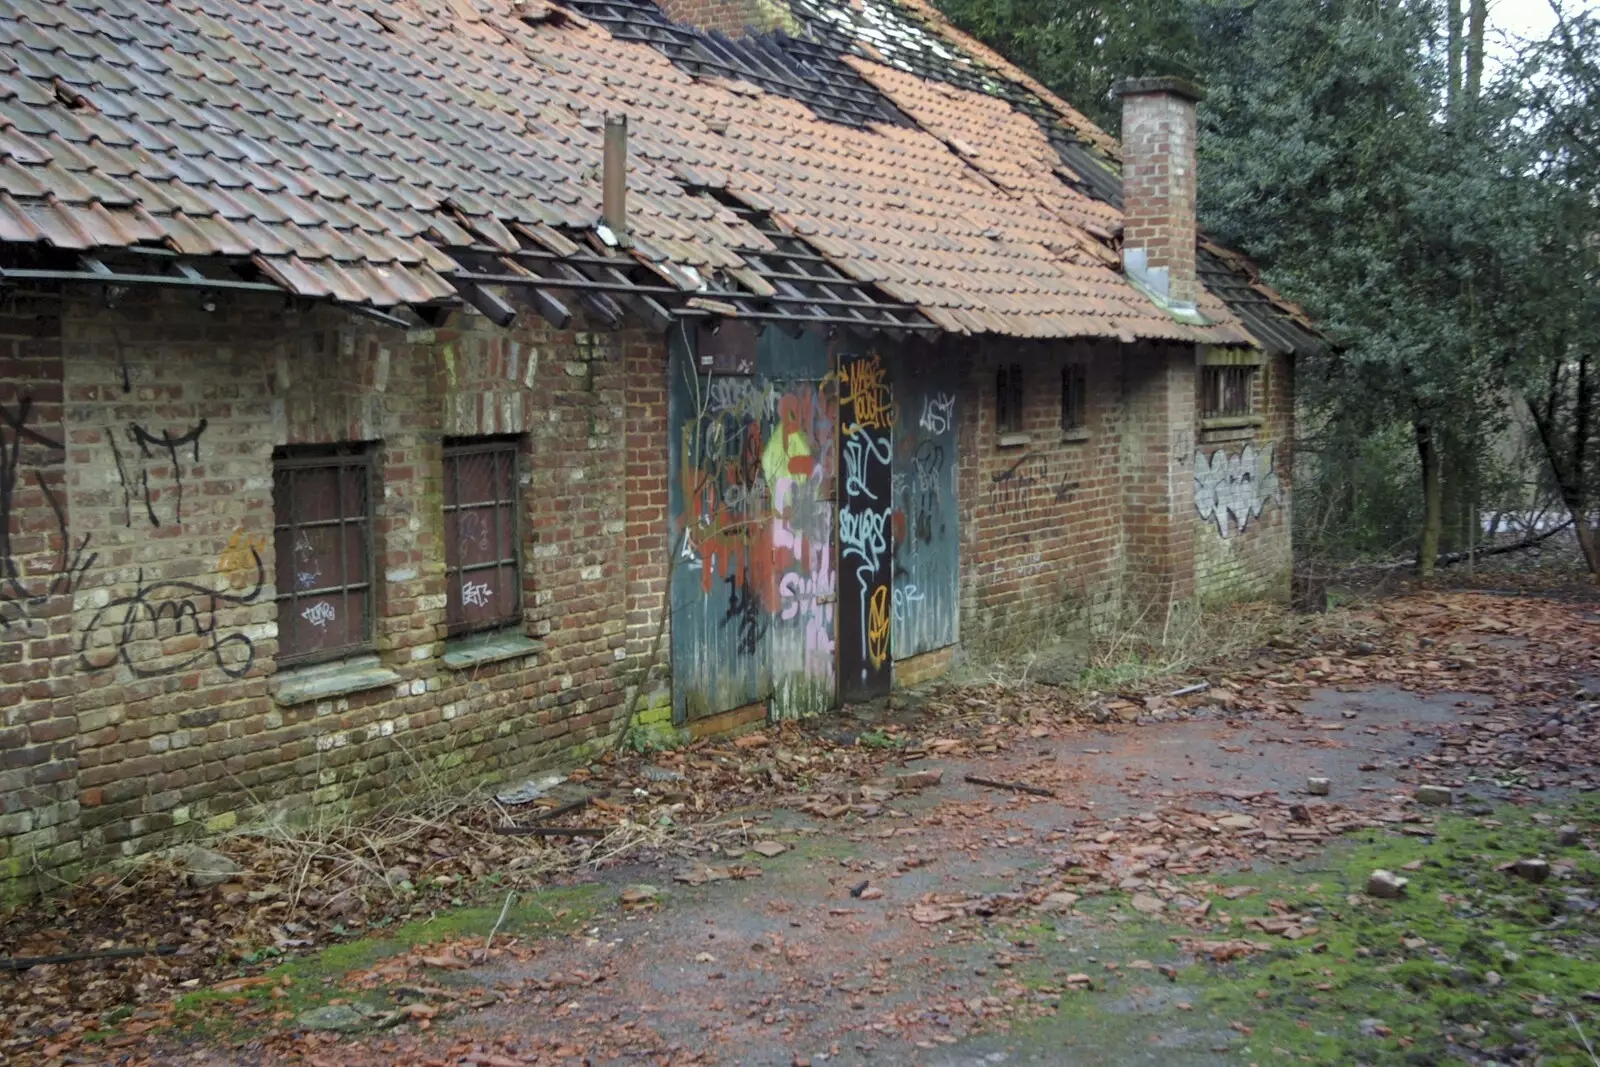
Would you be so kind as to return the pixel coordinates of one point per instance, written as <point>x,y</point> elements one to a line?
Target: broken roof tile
<point>334,145</point>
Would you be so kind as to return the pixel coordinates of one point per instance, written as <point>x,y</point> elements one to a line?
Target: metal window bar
<point>502,568</point>
<point>297,643</point>
<point>1227,391</point>
<point>1074,396</point>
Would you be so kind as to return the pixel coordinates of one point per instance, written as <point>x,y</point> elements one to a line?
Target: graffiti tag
<point>172,609</point>
<point>319,614</point>
<point>18,596</point>
<point>937,412</point>
<point>1237,486</point>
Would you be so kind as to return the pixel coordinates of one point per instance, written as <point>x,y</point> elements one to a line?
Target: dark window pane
<point>1074,398</point>
<point>482,568</point>
<point>1227,391</point>
<point>322,544</point>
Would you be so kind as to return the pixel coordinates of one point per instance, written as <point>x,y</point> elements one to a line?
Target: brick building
<point>372,400</point>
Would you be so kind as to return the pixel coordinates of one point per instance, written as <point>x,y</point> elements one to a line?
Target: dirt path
<point>791,966</point>
<point>990,926</point>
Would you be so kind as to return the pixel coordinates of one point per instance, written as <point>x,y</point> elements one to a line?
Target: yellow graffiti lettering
<point>878,626</point>
<point>865,390</point>
<point>238,562</point>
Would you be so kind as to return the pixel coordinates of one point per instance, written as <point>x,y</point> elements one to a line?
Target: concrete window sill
<point>301,685</point>
<point>1233,422</point>
<point>1015,440</point>
<point>1074,436</point>
<point>478,649</point>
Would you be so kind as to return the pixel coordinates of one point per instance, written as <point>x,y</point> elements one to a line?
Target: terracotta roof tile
<point>325,140</point>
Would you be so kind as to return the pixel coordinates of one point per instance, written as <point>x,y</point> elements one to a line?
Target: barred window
<point>1074,396</point>
<point>322,536</point>
<point>482,565</point>
<point>1008,399</point>
<point>1227,391</point>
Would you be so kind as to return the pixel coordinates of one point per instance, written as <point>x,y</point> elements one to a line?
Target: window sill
<point>1074,436</point>
<point>478,649</point>
<point>1232,422</point>
<point>301,685</point>
<point>1015,440</point>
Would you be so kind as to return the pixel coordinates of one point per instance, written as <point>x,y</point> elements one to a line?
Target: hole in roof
<point>73,99</point>
<point>809,71</point>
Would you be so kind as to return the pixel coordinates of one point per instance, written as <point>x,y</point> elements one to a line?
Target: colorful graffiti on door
<point>752,518</point>
<point>866,555</point>
<point>924,517</point>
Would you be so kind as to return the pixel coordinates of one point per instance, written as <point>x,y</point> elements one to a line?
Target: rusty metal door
<point>924,597</point>
<point>866,422</point>
<point>798,463</point>
<point>717,498</point>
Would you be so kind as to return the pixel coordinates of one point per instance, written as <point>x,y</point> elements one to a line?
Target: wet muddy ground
<point>790,967</point>
<point>1177,897</point>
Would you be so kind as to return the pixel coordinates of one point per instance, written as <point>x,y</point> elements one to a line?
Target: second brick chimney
<point>1158,188</point>
<point>731,18</point>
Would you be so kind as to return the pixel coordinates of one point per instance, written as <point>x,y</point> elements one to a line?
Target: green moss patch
<point>1472,964</point>
<point>342,973</point>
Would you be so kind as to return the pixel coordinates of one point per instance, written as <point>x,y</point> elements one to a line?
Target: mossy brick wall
<point>136,729</point>
<point>137,670</point>
<point>38,733</point>
<point>1158,395</point>
<point>1041,538</point>
<point>1243,489</point>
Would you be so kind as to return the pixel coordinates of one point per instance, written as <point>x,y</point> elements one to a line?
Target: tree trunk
<point>1582,421</point>
<point>1571,471</point>
<point>1479,14</point>
<point>1452,96</point>
<point>1432,500</point>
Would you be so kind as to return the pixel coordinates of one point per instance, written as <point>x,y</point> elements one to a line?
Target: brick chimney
<point>1158,234</point>
<point>731,18</point>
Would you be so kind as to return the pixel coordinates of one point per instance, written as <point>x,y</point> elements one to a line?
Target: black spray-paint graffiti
<point>1011,488</point>
<point>927,468</point>
<point>172,609</point>
<point>152,448</point>
<point>17,594</point>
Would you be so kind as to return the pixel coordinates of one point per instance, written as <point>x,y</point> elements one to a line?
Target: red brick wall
<point>728,17</point>
<point>1041,517</point>
<point>1244,551</point>
<point>1158,185</point>
<point>647,526</point>
<point>1158,498</point>
<point>150,731</point>
<point>120,737</point>
<point>39,567</point>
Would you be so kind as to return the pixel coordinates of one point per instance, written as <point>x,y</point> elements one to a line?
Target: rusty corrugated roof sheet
<point>340,145</point>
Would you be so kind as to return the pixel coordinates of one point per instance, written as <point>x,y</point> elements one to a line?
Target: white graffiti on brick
<point>319,614</point>
<point>1237,485</point>
<point>476,594</point>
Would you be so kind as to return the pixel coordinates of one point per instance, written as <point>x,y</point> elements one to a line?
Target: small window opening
<point>322,537</point>
<point>1008,399</point>
<point>1227,391</point>
<point>1074,396</point>
<point>482,551</point>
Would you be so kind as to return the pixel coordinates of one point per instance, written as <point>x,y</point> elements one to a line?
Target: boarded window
<point>1227,391</point>
<point>1008,399</point>
<point>481,559</point>
<point>322,536</point>
<point>1074,396</point>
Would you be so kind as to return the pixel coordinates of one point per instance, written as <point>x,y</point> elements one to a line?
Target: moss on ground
<point>1473,964</point>
<point>315,979</point>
